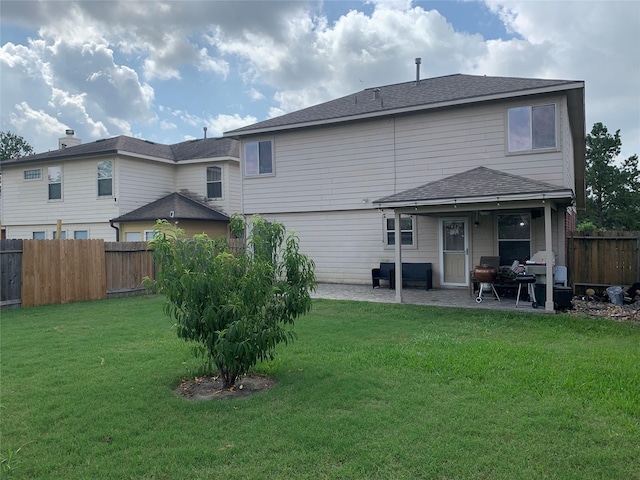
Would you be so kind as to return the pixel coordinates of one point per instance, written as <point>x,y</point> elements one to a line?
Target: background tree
<point>235,308</point>
<point>13,146</point>
<point>613,192</point>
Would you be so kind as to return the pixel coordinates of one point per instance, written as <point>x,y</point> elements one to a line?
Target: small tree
<point>236,308</point>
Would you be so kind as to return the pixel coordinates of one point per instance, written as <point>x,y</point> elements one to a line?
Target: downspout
<point>117,230</point>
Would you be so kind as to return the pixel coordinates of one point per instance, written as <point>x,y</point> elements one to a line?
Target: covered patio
<point>473,194</point>
<point>440,297</point>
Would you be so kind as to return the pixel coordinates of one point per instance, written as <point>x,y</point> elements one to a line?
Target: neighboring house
<point>457,167</point>
<point>91,187</point>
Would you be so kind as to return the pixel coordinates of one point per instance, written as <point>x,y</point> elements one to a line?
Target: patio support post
<point>548,304</point>
<point>398,245</point>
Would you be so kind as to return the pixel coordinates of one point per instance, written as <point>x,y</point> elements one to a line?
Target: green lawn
<point>368,391</point>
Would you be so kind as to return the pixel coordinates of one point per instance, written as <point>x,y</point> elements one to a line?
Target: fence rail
<point>41,272</point>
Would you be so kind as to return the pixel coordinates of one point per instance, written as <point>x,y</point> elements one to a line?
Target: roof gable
<point>475,183</point>
<point>178,152</point>
<point>410,96</point>
<point>183,208</point>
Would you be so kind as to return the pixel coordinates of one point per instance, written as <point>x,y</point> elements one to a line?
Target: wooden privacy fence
<point>600,260</point>
<point>41,272</point>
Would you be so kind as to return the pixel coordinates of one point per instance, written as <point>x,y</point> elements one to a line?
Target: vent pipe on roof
<point>418,62</point>
<point>376,93</point>
<point>205,132</point>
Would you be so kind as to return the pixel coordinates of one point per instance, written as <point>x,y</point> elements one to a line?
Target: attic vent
<point>376,94</point>
<point>171,214</point>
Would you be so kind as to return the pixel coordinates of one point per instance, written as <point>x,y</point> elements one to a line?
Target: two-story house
<point>116,188</point>
<point>442,170</point>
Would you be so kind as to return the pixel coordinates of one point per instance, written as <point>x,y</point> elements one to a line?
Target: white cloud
<point>108,67</point>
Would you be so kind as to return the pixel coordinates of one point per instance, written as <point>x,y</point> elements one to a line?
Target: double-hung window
<point>105,178</point>
<point>258,158</point>
<point>214,182</point>
<point>407,232</point>
<point>514,237</point>
<point>54,174</point>
<point>532,128</point>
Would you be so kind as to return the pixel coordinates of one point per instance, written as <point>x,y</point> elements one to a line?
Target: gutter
<point>117,230</point>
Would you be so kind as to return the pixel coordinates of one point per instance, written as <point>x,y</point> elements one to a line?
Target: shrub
<point>236,307</point>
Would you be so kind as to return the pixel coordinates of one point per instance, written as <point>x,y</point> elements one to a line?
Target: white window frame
<point>212,167</point>
<point>49,183</point>
<point>387,230</point>
<point>98,179</point>
<point>76,232</point>
<point>38,177</point>
<point>253,170</point>
<point>63,234</point>
<point>500,240</point>
<point>529,129</point>
<point>127,239</point>
<point>39,235</point>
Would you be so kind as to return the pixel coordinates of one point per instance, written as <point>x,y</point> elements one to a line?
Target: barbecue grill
<point>486,275</point>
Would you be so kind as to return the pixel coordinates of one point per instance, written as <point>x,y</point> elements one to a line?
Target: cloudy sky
<point>163,70</point>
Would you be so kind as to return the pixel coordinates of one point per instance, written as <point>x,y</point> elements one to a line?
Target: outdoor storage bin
<point>562,296</point>
<point>615,295</point>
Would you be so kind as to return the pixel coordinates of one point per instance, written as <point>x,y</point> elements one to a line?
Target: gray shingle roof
<point>428,93</point>
<point>189,150</point>
<point>183,208</point>
<point>477,182</point>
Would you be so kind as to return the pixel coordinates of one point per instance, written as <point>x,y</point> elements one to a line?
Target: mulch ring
<point>594,308</point>
<point>211,387</point>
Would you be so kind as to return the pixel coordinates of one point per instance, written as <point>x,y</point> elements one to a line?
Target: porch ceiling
<point>478,186</point>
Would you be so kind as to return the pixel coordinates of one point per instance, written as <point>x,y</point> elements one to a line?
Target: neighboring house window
<point>54,174</point>
<point>148,235</point>
<point>258,158</point>
<point>532,128</point>
<point>63,235</point>
<point>35,174</point>
<point>38,235</point>
<point>105,178</point>
<point>214,182</point>
<point>514,237</point>
<point>407,232</point>
<point>133,237</point>
<point>80,235</point>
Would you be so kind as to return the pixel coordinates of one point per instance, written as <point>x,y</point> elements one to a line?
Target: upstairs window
<point>532,128</point>
<point>54,174</point>
<point>80,235</point>
<point>63,235</point>
<point>258,158</point>
<point>214,182</point>
<point>105,178</point>
<point>407,233</point>
<point>40,235</point>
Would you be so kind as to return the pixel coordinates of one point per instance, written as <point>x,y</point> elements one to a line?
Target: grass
<point>368,391</point>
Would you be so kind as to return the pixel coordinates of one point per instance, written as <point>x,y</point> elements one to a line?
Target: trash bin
<point>562,296</point>
<point>540,290</point>
<point>615,295</point>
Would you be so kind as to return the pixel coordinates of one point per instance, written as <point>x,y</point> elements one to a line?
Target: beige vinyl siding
<point>347,166</point>
<point>193,177</point>
<point>140,182</point>
<point>346,245</point>
<point>332,168</point>
<point>191,228</point>
<point>95,230</point>
<point>26,201</point>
